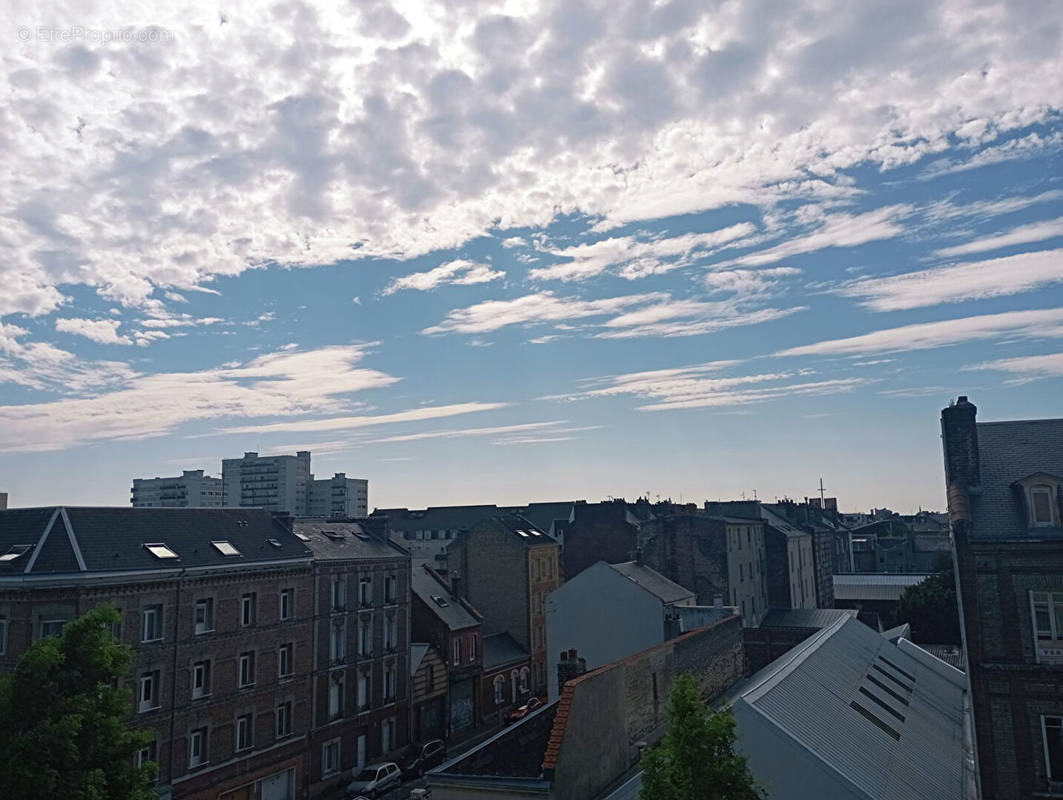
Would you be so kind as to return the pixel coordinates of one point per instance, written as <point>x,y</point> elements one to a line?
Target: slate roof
<point>500,650</point>
<point>518,527</point>
<point>879,748</point>
<point>874,585</point>
<point>345,540</point>
<point>402,520</point>
<point>452,612</point>
<point>1009,452</point>
<point>543,515</point>
<point>655,583</point>
<point>80,539</point>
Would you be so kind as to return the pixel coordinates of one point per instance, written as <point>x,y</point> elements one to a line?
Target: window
<point>285,660</point>
<point>365,636</point>
<point>335,696</point>
<point>1047,612</point>
<point>524,680</point>
<point>1052,731</point>
<point>500,686</point>
<point>387,735</point>
<point>457,651</point>
<point>248,609</point>
<point>151,624</point>
<point>365,591</point>
<point>160,550</point>
<point>204,615</point>
<point>3,635</point>
<point>338,642</point>
<point>197,747</point>
<point>15,551</point>
<point>244,732</point>
<point>148,695</point>
<point>339,594</point>
<point>226,548</point>
<point>1041,505</point>
<point>363,690</point>
<point>391,589</point>
<point>287,604</point>
<point>200,679</point>
<point>284,719</point>
<point>389,633</point>
<point>146,755</point>
<point>389,682</point>
<point>472,646</point>
<point>51,627</point>
<point>330,758</point>
<point>514,680</point>
<point>246,672</point>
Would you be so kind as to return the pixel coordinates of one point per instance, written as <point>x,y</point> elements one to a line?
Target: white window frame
<point>248,609</point>
<point>472,648</point>
<point>390,683</point>
<point>286,660</point>
<point>202,668</point>
<point>198,739</point>
<point>149,678</point>
<point>390,633</point>
<point>245,732</point>
<point>339,593</point>
<point>365,636</point>
<point>152,612</point>
<point>284,715</point>
<point>248,673</point>
<point>286,605</point>
<point>1048,643</point>
<point>364,680</point>
<point>146,754</point>
<point>500,685</point>
<point>206,624</point>
<point>525,674</point>
<point>365,591</point>
<point>47,624</point>
<point>1044,743</point>
<point>330,766</point>
<point>391,589</point>
<point>1050,496</point>
<point>456,647</point>
<point>338,642</point>
<point>335,696</point>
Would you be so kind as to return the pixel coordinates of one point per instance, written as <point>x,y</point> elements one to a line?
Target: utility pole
<point>822,495</point>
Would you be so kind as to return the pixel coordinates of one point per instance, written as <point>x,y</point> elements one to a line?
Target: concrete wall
<point>602,615</point>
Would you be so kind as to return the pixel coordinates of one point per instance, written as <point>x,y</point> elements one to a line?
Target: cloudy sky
<point>513,251</point>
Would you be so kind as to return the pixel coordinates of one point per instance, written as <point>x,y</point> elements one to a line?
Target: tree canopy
<point>64,723</point>
<point>696,759</point>
<point>930,608</point>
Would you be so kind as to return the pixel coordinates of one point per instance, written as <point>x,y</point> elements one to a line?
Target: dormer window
<point>1040,496</point>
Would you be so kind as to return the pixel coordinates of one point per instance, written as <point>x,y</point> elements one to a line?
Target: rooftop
<point>874,585</point>
<point>344,540</point>
<point>655,583</point>
<point>500,650</point>
<point>436,595</point>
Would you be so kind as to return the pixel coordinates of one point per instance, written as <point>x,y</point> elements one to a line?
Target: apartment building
<point>275,483</point>
<point>190,489</point>
<point>218,606</point>
<point>1004,482</point>
<point>360,695</point>
<point>339,496</point>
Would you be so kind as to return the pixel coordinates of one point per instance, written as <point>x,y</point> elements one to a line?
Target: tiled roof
<point>1009,452</point>
<point>655,583</point>
<point>76,539</point>
<point>874,585</point>
<point>437,597</point>
<point>500,650</point>
<point>345,540</point>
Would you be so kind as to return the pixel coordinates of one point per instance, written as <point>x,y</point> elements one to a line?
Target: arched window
<point>514,677</point>
<point>524,680</point>
<point>500,685</point>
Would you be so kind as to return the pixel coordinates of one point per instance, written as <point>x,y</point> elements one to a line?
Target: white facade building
<point>339,496</point>
<point>275,483</point>
<point>191,489</point>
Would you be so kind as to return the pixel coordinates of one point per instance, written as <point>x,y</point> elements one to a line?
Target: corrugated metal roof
<point>874,586</point>
<point>901,742</point>
<point>805,617</point>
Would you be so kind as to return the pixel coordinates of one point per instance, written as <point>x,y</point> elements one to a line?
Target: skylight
<point>523,533</point>
<point>15,552</point>
<point>273,542</point>
<point>160,550</point>
<point>439,601</point>
<point>303,537</point>
<point>225,548</point>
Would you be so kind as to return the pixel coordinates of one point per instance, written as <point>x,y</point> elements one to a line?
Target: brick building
<point>218,606</point>
<point>361,668</point>
<point>506,567</point>
<point>428,694</point>
<point>1004,481</point>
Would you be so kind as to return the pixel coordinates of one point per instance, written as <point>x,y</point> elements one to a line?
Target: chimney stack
<point>960,437</point>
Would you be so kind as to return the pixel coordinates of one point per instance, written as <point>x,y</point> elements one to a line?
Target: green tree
<point>64,724</point>
<point>696,759</point>
<point>930,608</point>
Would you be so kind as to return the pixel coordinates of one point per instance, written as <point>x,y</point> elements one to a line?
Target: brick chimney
<point>960,443</point>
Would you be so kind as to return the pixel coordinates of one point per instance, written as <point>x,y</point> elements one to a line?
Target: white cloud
<point>700,386</point>
<point>365,420</point>
<point>689,318</point>
<point>459,273</point>
<point>1034,232</point>
<point>1026,367</point>
<point>286,384</point>
<point>514,241</point>
<point>634,258</point>
<point>975,280</point>
<point>748,282</point>
<point>1024,324</point>
<point>834,230</point>
<point>344,130</point>
<point>103,331</point>
<point>45,367</point>
<point>460,433</point>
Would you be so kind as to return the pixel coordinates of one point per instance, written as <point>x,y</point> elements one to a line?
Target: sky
<point>507,252</point>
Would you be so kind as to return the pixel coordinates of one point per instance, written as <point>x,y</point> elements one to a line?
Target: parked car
<point>518,714</point>
<point>419,758</point>
<point>374,780</point>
